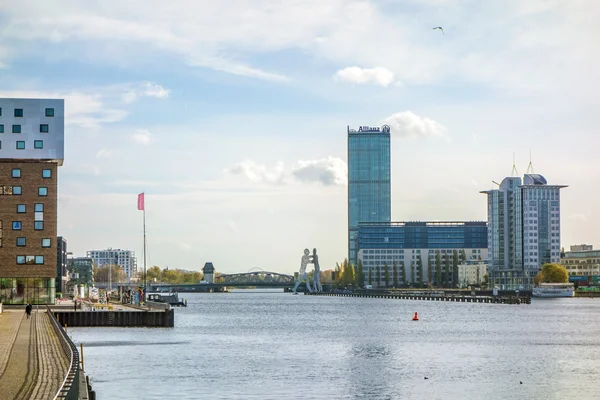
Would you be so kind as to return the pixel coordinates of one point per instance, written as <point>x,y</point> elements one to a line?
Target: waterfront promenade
<point>33,364</point>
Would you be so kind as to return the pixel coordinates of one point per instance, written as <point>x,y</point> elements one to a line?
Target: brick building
<point>31,150</point>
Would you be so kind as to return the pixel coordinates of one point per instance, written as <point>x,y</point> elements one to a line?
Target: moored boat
<point>554,290</point>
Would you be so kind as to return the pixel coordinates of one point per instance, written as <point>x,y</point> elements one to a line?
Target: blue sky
<point>232,115</point>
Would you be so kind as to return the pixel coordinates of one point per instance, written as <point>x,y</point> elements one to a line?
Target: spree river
<point>280,346</point>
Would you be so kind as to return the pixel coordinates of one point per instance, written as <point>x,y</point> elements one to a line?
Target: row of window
<point>30,259</point>
<point>22,208</point>
<point>44,128</point>
<point>22,242</point>
<point>16,173</point>
<point>37,225</point>
<point>19,112</point>
<point>37,144</point>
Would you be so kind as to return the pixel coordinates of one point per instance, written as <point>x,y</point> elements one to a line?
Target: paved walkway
<point>31,359</point>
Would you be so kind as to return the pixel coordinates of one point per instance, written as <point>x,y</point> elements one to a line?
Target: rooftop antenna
<point>514,168</point>
<point>530,167</point>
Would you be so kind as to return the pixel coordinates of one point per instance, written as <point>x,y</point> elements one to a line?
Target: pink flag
<point>141,201</point>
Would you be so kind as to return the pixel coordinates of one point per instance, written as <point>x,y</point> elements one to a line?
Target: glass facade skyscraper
<point>523,230</point>
<point>369,176</point>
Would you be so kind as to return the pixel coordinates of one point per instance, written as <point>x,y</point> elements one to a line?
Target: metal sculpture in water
<point>317,272</point>
<point>302,275</point>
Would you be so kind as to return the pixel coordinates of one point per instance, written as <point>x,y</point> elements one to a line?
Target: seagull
<point>426,377</point>
<point>440,28</point>
<point>521,382</point>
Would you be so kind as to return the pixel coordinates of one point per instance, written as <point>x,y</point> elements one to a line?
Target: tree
<point>438,268</point>
<point>386,275</point>
<point>154,273</point>
<point>446,271</point>
<point>347,273</point>
<point>403,271</point>
<point>429,272</point>
<point>378,275</point>
<point>454,268</point>
<point>360,277</point>
<point>370,276</point>
<point>338,275</point>
<point>420,268</point>
<point>554,273</point>
<point>395,273</point>
<point>463,255</point>
<point>116,274</point>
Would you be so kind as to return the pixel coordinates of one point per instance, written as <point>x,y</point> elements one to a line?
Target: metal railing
<point>69,389</point>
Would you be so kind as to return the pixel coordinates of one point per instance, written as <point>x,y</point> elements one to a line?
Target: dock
<point>432,297</point>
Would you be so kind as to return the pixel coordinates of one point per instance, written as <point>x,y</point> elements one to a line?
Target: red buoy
<point>416,317</point>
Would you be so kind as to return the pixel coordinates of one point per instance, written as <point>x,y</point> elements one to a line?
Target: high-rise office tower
<point>523,230</point>
<point>31,150</point>
<point>369,176</point>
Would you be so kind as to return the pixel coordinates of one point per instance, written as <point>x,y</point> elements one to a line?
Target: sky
<point>231,115</point>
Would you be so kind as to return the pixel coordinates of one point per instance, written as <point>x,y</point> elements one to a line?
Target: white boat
<point>554,290</point>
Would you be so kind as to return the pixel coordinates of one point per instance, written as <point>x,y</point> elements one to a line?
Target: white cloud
<point>142,136</point>
<point>147,89</point>
<point>408,124</point>
<point>259,173</point>
<point>379,76</point>
<point>328,171</point>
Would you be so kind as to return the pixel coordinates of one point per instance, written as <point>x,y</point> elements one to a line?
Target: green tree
<point>116,274</point>
<point>386,275</point>
<point>154,274</point>
<point>395,273</point>
<point>370,276</point>
<point>430,272</point>
<point>446,271</point>
<point>420,268</point>
<point>454,268</point>
<point>403,272</point>
<point>347,273</point>
<point>338,275</point>
<point>438,268</point>
<point>360,277</point>
<point>463,255</point>
<point>554,273</point>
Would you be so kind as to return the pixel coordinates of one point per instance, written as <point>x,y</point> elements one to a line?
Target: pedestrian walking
<point>75,305</point>
<point>28,309</point>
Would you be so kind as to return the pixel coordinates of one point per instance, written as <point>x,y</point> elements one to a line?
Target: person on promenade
<point>28,309</point>
<point>75,305</point>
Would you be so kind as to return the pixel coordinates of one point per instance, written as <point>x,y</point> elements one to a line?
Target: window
<point>1,128</point>
<point>38,144</point>
<point>17,190</point>
<point>38,207</point>
<point>0,111</point>
<point>16,129</point>
<point>29,259</point>
<point>39,259</point>
<point>18,112</point>
<point>38,225</point>
<point>49,112</point>
<point>21,208</point>
<point>16,173</point>
<point>46,173</point>
<point>45,242</point>
<point>21,241</point>
<point>20,259</point>
<point>44,128</point>
<point>16,225</point>
<point>42,191</point>
<point>20,145</point>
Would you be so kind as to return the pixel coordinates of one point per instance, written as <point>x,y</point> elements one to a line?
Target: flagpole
<point>145,278</point>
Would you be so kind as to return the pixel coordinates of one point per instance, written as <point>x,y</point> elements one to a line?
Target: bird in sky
<point>440,28</point>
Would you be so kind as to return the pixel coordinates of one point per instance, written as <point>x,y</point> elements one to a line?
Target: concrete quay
<point>33,364</point>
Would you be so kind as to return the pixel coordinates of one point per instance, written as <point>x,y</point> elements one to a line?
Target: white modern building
<point>124,258</point>
<point>582,262</point>
<point>523,230</point>
<point>472,273</point>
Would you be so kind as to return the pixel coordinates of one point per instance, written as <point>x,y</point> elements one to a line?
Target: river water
<point>277,345</point>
